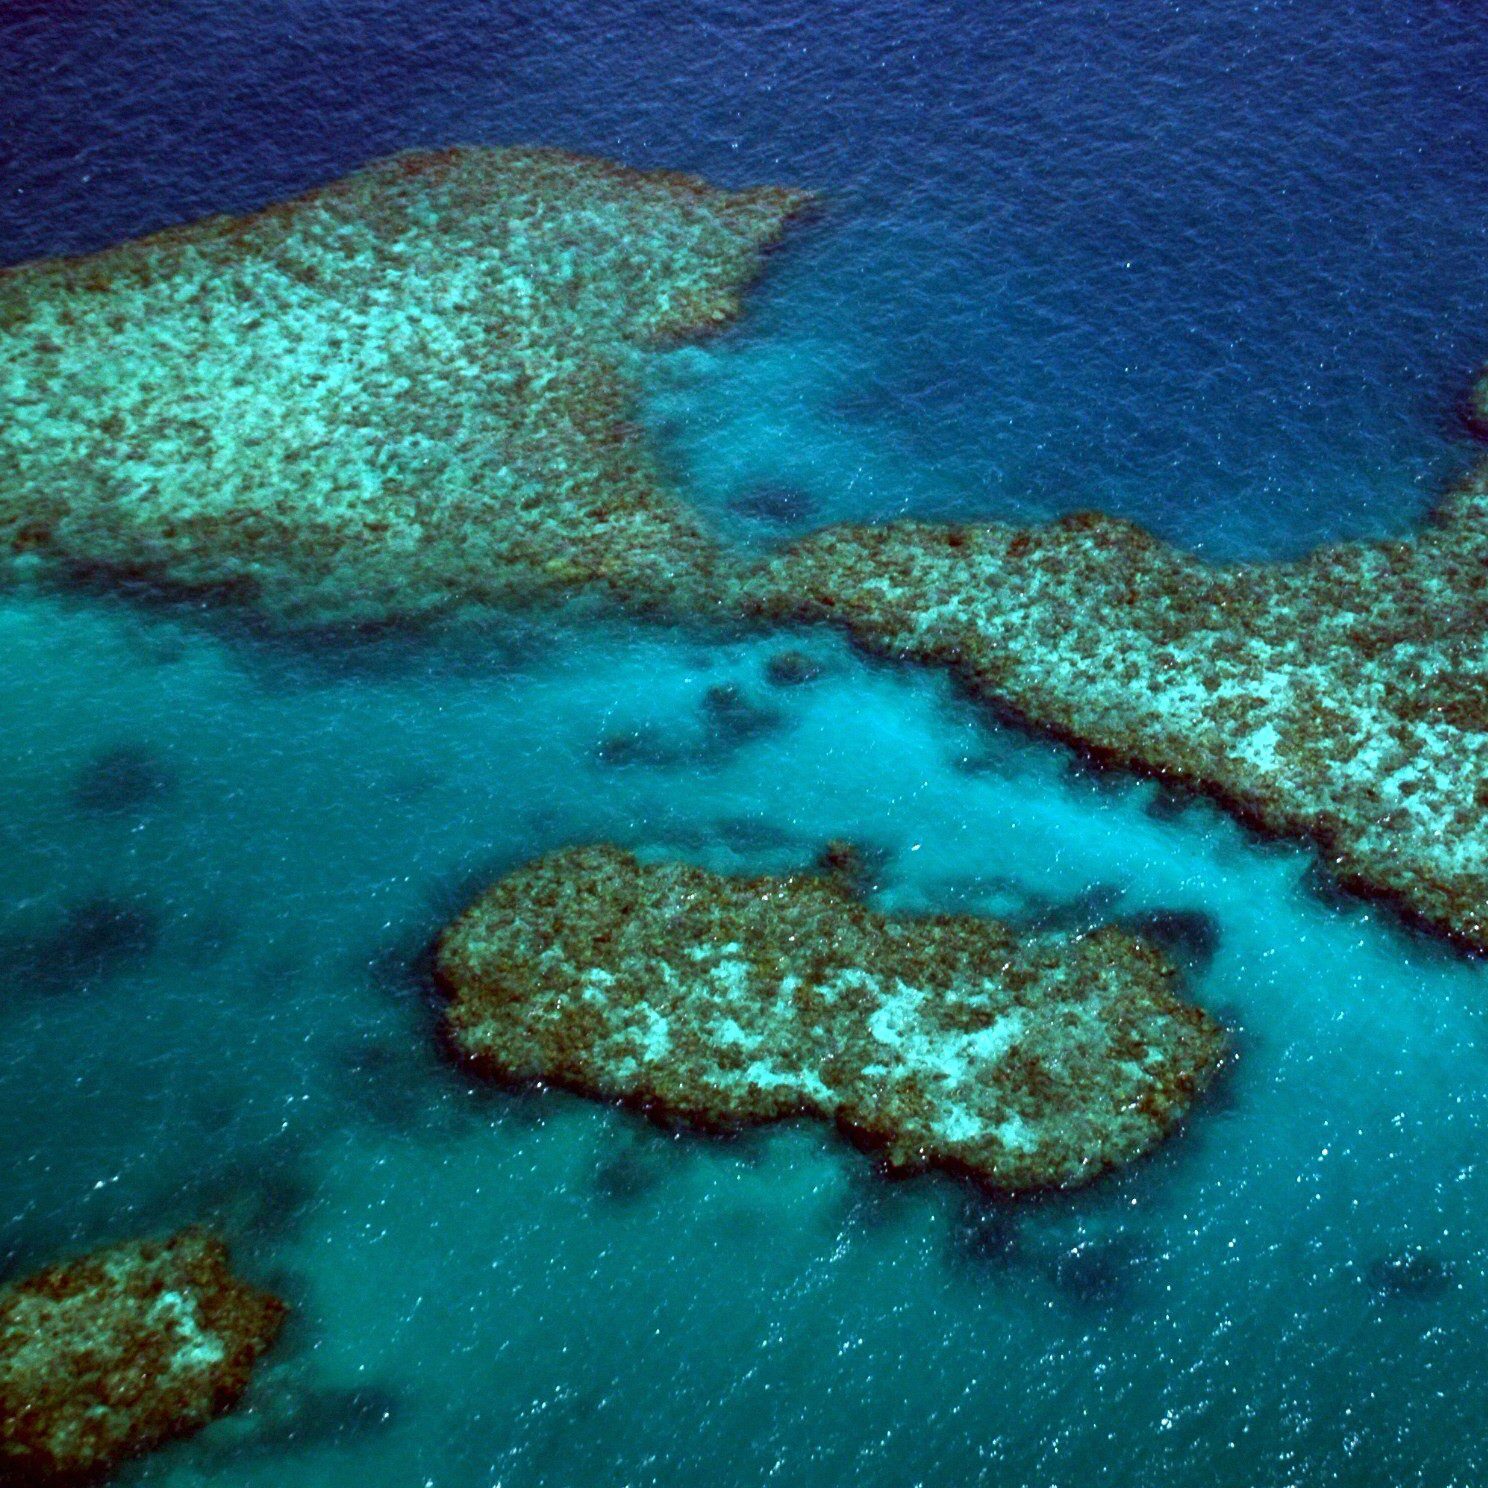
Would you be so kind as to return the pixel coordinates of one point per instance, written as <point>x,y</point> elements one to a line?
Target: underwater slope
<point>402,391</point>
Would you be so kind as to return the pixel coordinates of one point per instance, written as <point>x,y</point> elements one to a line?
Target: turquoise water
<point>533,1290</point>
<point>1217,267</point>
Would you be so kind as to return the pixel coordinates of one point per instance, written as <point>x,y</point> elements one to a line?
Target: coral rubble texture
<point>1342,697</point>
<point>1028,1061</point>
<point>105,1357</point>
<point>402,391</point>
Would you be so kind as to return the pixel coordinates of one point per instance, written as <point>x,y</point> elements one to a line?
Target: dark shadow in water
<point>256,1196</point>
<point>406,975</point>
<point>478,650</point>
<point>634,1161</point>
<point>30,1241</point>
<point>280,1419</point>
<point>673,829</point>
<point>1412,1273</point>
<point>861,868</point>
<point>774,505</point>
<point>750,834</point>
<point>1189,937</point>
<point>986,1233</point>
<point>1467,411</point>
<point>1380,911</point>
<point>395,1083</point>
<point>1094,775</point>
<point>1223,1095</point>
<point>402,968</point>
<point>1099,1275</point>
<point>1321,883</point>
<point>1018,1238</point>
<point>728,720</point>
<point>163,623</point>
<point>407,1081</point>
<point>93,941</point>
<point>625,1176</point>
<point>126,780</point>
<point>731,719</point>
<point>1093,906</point>
<point>650,747</point>
<point>874,1201</point>
<point>1011,900</point>
<point>1168,805</point>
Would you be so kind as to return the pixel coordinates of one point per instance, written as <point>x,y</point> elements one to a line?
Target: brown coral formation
<point>401,392</point>
<point>105,1357</point>
<point>951,1041</point>
<point>1342,698</point>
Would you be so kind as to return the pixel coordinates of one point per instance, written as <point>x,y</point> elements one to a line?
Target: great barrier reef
<point>744,743</point>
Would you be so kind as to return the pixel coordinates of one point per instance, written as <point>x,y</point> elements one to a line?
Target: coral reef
<point>110,1355</point>
<point>404,391</point>
<point>1475,406</point>
<point>1342,697</point>
<point>949,1041</point>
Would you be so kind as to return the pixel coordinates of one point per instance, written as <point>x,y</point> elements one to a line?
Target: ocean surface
<point>1222,268</point>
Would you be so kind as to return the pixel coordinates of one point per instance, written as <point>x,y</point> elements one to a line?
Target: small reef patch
<point>1341,698</point>
<point>105,1357</point>
<point>399,393</point>
<point>1032,1061</point>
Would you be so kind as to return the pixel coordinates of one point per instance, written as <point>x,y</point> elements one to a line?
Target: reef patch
<point>1475,406</point>
<point>105,1357</point>
<point>399,393</point>
<point>1341,698</point>
<point>1027,1061</point>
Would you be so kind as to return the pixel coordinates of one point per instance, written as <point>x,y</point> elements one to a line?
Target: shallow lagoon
<point>1222,272</point>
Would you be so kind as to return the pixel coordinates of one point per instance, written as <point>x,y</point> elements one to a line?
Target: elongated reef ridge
<point>1028,1061</point>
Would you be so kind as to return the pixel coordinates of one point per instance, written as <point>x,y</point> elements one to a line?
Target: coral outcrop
<point>404,391</point>
<point>1341,698</point>
<point>105,1357</point>
<point>1025,1060</point>
<point>1476,407</point>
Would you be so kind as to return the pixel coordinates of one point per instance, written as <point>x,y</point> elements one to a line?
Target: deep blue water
<point>1217,266</point>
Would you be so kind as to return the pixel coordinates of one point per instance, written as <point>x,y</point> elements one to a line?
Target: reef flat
<point>404,391</point>
<point>107,1356</point>
<point>1028,1061</point>
<point>1341,698</point>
